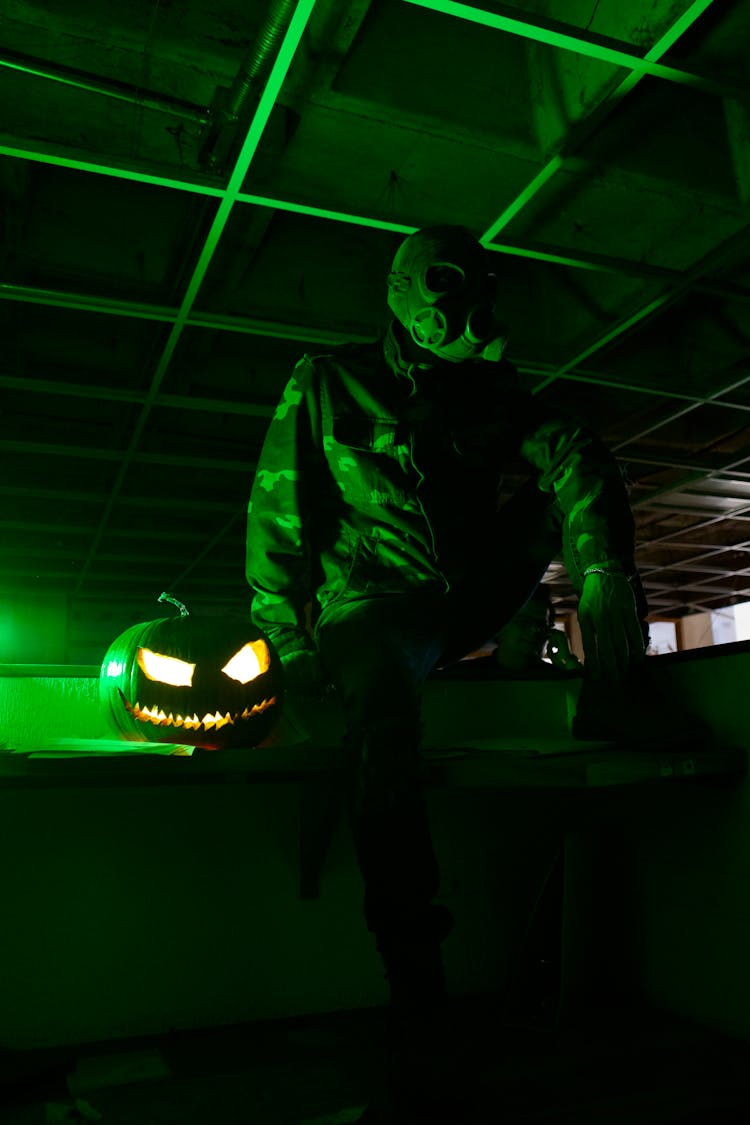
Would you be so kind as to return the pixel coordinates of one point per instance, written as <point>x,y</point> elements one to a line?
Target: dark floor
<point>632,1068</point>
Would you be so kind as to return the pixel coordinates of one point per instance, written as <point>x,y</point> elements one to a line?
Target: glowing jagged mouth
<point>210,721</point>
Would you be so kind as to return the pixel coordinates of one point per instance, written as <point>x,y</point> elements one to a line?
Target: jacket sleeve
<point>573,463</point>
<point>279,512</point>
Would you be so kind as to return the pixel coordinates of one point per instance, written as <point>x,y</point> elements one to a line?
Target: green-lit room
<point>375,562</point>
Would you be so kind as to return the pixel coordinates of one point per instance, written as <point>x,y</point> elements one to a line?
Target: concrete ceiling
<point>173,241</point>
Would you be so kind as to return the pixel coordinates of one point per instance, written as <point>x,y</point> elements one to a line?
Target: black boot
<point>427,1055</point>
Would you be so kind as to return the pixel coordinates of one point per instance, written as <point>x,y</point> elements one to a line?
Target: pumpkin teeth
<point>191,722</point>
<point>257,708</point>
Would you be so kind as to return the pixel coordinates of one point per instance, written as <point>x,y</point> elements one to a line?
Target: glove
<point>558,651</point>
<point>610,624</point>
<point>303,674</point>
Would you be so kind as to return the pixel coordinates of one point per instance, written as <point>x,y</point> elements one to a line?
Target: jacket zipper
<point>420,474</point>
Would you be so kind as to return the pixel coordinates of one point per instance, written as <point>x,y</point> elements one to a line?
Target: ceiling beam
<point>32,385</point>
<point>48,449</point>
<point>37,556</point>
<point>689,466</point>
<point>569,37</point>
<point>154,503</point>
<point>743,547</point>
<point>86,302</point>
<point>112,306</point>
<point>52,529</point>
<point>587,125</point>
<point>115,394</point>
<point>171,460</point>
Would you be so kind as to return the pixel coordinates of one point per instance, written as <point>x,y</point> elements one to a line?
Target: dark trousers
<point>377,651</point>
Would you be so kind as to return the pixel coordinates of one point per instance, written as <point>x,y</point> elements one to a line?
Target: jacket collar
<point>398,362</point>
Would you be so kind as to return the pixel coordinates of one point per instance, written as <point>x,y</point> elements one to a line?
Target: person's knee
<point>386,759</point>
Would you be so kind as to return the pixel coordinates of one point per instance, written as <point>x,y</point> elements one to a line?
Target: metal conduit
<point>260,57</point>
<point>108,87</point>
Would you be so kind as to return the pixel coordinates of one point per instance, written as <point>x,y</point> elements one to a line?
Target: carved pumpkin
<point>209,682</point>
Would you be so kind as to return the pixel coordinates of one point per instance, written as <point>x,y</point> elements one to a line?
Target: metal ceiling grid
<point>232,198</point>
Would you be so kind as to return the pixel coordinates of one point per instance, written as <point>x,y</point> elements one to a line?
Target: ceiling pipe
<point>108,87</point>
<point>233,105</point>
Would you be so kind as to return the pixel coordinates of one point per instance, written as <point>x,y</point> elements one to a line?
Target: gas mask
<point>441,291</point>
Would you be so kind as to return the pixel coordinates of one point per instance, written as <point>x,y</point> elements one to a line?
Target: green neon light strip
<point>112,89</point>
<point>593,46</point>
<point>324,213</point>
<point>678,28</point>
<point>523,198</point>
<point>549,256</point>
<point>49,155</point>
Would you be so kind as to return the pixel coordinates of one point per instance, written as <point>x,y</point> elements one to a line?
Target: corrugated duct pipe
<point>261,56</point>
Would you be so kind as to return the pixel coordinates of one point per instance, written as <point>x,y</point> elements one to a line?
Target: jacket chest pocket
<point>369,435</point>
<point>364,461</point>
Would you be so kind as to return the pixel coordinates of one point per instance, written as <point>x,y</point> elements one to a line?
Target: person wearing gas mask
<point>375,503</point>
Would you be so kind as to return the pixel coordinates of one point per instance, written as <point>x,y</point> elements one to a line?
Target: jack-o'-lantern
<point>208,682</point>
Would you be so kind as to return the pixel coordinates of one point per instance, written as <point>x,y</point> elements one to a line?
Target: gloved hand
<point>558,651</point>
<point>610,626</point>
<point>303,674</point>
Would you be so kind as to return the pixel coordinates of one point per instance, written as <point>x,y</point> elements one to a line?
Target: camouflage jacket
<point>379,475</point>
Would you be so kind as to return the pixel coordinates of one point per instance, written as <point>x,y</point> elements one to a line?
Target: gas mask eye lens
<point>443,278</point>
<point>480,324</point>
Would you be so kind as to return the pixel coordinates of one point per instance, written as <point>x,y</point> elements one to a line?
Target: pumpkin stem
<point>165,597</point>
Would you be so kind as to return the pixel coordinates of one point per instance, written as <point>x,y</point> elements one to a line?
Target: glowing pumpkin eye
<point>165,669</point>
<point>249,663</point>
